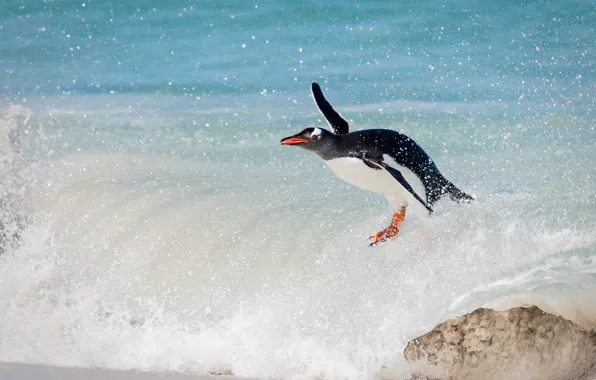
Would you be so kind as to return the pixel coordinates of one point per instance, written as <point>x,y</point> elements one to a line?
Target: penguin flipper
<point>338,124</point>
<point>398,177</point>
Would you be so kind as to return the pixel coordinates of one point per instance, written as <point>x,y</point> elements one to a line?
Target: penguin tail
<point>442,187</point>
<point>456,194</point>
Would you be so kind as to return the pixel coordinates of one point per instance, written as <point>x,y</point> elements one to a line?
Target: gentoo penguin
<point>379,160</point>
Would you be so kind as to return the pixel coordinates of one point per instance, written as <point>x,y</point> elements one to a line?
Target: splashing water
<point>150,219</point>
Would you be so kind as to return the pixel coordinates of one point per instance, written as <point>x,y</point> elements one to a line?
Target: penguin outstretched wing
<point>338,124</point>
<point>398,177</point>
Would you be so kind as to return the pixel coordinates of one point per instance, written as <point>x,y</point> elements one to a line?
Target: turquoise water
<point>504,52</point>
<point>162,226</point>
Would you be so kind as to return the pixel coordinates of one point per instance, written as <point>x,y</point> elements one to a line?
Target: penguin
<point>382,161</point>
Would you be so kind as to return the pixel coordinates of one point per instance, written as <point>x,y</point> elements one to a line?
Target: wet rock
<point>519,343</point>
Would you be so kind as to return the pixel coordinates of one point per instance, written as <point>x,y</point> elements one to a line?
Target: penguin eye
<point>316,133</point>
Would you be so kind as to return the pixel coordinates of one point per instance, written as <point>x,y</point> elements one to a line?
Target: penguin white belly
<point>356,172</point>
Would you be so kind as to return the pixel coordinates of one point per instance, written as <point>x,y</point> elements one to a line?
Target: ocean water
<point>151,220</point>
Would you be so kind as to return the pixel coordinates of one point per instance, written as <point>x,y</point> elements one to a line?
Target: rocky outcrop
<point>519,343</point>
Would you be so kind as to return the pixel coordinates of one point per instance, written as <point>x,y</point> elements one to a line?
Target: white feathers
<point>317,132</point>
<point>409,175</point>
<point>355,172</point>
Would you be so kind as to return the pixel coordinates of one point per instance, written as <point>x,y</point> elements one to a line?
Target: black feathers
<point>338,124</point>
<point>373,145</point>
<point>399,178</point>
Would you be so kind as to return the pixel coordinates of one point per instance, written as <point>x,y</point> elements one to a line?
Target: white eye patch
<point>317,132</point>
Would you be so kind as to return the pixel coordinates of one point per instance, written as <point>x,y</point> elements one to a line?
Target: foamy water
<point>257,263</point>
<point>151,220</point>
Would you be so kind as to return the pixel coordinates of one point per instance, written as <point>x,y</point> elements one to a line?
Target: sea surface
<point>151,220</point>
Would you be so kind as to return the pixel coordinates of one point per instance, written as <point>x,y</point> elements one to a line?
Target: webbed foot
<point>392,230</point>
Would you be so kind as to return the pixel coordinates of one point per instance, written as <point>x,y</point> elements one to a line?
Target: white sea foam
<point>156,262</point>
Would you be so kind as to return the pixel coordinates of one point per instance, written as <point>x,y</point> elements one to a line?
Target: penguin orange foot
<point>391,231</point>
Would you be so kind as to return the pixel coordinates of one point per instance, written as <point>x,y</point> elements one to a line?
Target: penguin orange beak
<point>294,140</point>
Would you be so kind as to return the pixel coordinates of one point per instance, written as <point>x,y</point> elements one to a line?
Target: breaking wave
<point>261,268</point>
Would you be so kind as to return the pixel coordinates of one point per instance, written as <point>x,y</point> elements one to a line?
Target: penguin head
<point>315,139</point>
